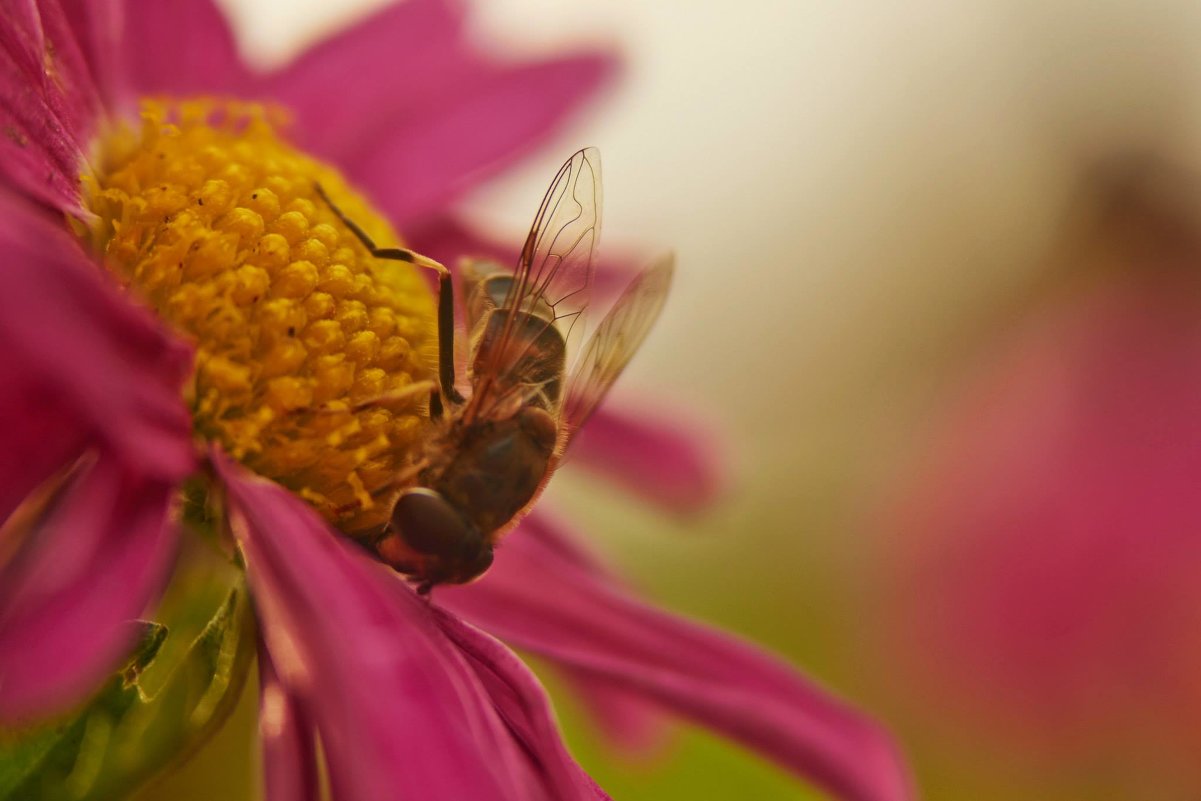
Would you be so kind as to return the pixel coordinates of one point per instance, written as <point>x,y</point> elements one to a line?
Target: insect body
<point>494,451</point>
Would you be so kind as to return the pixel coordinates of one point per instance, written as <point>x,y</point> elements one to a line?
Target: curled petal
<point>544,594</point>
<point>522,704</point>
<point>95,560</point>
<point>406,701</point>
<point>80,362</point>
<point>48,104</point>
<point>657,457</point>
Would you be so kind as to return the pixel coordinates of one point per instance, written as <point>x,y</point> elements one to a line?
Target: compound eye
<point>428,524</point>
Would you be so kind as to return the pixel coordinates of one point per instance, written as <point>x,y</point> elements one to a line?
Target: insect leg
<point>435,405</point>
<point>446,338</point>
<point>446,298</point>
<point>384,399</point>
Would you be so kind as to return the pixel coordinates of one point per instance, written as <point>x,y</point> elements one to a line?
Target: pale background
<point>857,194</point>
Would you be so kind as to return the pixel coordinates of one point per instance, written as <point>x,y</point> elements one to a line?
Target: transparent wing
<point>615,342</point>
<point>553,276</point>
<point>555,267</point>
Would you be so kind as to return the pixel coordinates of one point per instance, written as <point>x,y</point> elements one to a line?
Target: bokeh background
<point>956,379</point>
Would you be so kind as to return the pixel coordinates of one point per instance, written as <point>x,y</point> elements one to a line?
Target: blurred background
<point>951,330</point>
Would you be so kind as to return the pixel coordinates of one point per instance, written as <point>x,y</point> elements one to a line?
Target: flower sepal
<point>153,711</point>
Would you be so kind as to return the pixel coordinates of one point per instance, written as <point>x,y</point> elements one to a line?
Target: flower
<point>206,217</point>
<point>1043,577</point>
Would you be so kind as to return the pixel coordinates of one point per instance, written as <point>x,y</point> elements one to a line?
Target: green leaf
<point>127,733</point>
<point>27,754</point>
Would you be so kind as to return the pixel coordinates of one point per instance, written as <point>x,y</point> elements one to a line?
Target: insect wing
<point>555,267</point>
<point>551,283</point>
<point>615,342</point>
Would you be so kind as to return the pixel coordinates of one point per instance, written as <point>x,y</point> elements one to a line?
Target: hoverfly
<point>493,451</point>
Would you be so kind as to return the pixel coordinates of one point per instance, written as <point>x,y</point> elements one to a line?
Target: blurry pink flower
<point>1046,564</point>
<point>405,698</point>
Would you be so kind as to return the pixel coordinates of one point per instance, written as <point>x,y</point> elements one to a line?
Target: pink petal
<point>545,595</point>
<point>407,701</point>
<point>97,561</point>
<point>416,114</point>
<point>350,86</point>
<point>99,30</point>
<point>450,240</point>
<point>522,705</point>
<point>38,437</point>
<point>416,160</point>
<point>181,48</point>
<point>79,358</point>
<point>1044,567</point>
<point>289,756</point>
<point>658,456</point>
<point>626,720</point>
<point>48,104</point>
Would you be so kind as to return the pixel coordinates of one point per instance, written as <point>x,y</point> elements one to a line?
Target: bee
<point>493,451</point>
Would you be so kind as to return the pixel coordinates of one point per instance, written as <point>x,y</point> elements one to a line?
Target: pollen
<point>305,344</point>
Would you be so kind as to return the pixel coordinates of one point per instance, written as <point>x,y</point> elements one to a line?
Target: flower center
<point>304,342</point>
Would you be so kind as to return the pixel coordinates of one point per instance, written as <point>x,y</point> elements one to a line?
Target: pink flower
<point>1044,562</point>
<point>407,699</point>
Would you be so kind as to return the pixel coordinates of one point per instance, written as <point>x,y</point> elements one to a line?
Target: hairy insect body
<point>484,471</point>
<point>498,468</point>
<point>494,450</point>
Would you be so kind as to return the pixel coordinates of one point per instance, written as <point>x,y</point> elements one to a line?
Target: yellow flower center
<point>304,342</point>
